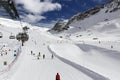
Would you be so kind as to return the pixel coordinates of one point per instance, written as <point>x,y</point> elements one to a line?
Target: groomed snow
<point>89,53</point>
<point>103,61</point>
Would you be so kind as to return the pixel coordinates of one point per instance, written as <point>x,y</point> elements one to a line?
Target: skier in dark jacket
<point>52,56</point>
<point>57,76</point>
<point>43,56</point>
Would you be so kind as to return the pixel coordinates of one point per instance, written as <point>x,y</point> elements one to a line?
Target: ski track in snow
<point>27,67</point>
<point>93,75</point>
<point>44,69</point>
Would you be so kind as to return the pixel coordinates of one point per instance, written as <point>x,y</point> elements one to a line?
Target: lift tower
<point>10,8</point>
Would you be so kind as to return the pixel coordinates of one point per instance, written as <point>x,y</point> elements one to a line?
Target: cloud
<point>36,8</point>
<point>32,18</point>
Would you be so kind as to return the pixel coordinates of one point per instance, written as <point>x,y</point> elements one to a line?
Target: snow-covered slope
<point>89,18</point>
<point>96,35</point>
<point>83,52</point>
<point>29,67</point>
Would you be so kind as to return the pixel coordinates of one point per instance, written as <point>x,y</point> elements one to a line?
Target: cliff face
<point>105,9</point>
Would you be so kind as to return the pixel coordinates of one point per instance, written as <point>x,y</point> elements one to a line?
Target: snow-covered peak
<point>91,17</point>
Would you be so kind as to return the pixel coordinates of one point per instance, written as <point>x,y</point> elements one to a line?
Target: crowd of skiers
<point>57,77</point>
<point>41,55</point>
<point>5,52</point>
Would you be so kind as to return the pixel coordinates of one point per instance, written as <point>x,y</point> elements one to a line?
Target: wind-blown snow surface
<point>100,60</point>
<point>74,59</point>
<point>96,44</point>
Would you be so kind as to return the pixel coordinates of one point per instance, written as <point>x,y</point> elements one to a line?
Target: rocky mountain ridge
<point>108,7</point>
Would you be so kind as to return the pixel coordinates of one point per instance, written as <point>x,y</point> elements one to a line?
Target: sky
<point>43,12</point>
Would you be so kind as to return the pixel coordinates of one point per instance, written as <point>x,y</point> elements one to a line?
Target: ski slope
<point>27,67</point>
<point>95,43</point>
<point>43,69</point>
<point>75,58</point>
<point>100,60</point>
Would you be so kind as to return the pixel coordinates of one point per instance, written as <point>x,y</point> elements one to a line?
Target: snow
<point>84,52</point>
<point>27,67</point>
<point>93,43</point>
<point>100,60</point>
<point>44,68</point>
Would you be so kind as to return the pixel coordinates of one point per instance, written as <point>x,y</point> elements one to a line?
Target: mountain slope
<point>88,49</point>
<point>28,66</point>
<point>75,57</point>
<point>93,16</point>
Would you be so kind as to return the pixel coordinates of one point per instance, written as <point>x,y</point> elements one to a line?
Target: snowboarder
<point>43,56</point>
<point>57,76</point>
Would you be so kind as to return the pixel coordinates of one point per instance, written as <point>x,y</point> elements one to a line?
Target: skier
<point>1,54</point>
<point>57,76</point>
<point>15,55</point>
<point>38,58</point>
<point>99,42</point>
<point>6,53</point>
<point>31,52</point>
<point>9,50</point>
<point>14,50</point>
<point>52,56</point>
<point>39,54</point>
<point>111,46</point>
<point>43,56</point>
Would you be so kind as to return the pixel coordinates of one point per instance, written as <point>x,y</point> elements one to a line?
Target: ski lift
<point>11,36</point>
<point>95,38</point>
<point>22,37</point>
<point>10,8</point>
<point>1,35</point>
<point>25,28</point>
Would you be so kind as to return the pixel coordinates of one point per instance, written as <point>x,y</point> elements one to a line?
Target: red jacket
<point>58,76</point>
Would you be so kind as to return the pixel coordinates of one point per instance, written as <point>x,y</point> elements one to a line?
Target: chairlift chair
<point>11,37</point>
<point>22,37</point>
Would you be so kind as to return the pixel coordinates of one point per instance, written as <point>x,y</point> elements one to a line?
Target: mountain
<point>27,63</point>
<point>88,50</point>
<point>95,15</point>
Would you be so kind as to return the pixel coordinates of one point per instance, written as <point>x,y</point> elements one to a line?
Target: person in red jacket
<point>57,76</point>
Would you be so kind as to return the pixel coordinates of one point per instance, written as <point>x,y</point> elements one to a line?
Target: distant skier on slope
<point>43,56</point>
<point>52,56</point>
<point>31,52</point>
<point>57,76</point>
<point>111,46</point>
<point>39,54</point>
